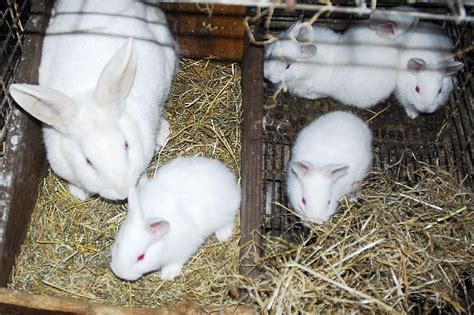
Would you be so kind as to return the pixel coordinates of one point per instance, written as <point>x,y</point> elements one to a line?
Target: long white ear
<point>117,78</point>
<point>292,30</point>
<point>158,227</point>
<point>49,106</point>
<point>134,208</point>
<point>301,168</point>
<point>334,171</point>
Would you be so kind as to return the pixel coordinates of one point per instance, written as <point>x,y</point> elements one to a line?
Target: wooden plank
<point>251,165</point>
<point>17,302</point>
<point>25,165</point>
<point>198,25</point>
<point>200,36</point>
<point>217,9</point>
<point>228,49</point>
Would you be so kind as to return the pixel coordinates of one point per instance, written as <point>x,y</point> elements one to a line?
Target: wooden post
<point>252,135</point>
<point>23,165</point>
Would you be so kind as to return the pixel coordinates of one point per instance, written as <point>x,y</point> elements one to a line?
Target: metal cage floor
<point>401,144</point>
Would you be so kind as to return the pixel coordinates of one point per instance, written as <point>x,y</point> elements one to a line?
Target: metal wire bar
<point>460,14</point>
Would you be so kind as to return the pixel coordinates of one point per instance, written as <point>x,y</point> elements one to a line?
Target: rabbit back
<point>200,190</point>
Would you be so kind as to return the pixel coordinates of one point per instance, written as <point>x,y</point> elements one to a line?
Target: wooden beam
<point>200,35</point>
<point>251,165</point>
<point>24,162</point>
<point>200,25</point>
<point>17,302</point>
<point>217,9</point>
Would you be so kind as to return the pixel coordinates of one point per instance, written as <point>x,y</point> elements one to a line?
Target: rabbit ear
<point>451,68</point>
<point>289,32</point>
<point>134,208</point>
<point>308,50</point>
<point>50,106</point>
<point>386,29</point>
<point>305,34</point>
<point>335,170</point>
<point>382,24</point>
<point>301,168</point>
<point>158,227</point>
<point>117,78</point>
<point>416,64</point>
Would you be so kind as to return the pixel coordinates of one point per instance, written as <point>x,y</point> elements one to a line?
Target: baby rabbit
<point>358,67</point>
<point>427,66</point>
<point>170,216</point>
<point>329,159</point>
<point>105,72</point>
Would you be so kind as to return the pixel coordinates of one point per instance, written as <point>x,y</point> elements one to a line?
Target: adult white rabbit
<point>106,70</point>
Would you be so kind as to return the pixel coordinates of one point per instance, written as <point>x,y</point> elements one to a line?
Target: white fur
<point>429,44</point>
<point>81,40</point>
<point>196,196</point>
<point>357,68</point>
<point>329,158</point>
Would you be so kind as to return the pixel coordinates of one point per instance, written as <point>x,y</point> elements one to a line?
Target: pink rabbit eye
<point>303,201</point>
<point>139,258</point>
<point>288,65</point>
<point>126,145</point>
<point>439,92</point>
<point>88,162</point>
<point>417,89</point>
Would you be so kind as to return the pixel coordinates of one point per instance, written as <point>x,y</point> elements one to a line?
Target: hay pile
<point>397,248</point>
<point>66,251</point>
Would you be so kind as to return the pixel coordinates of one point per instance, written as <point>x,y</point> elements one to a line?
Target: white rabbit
<point>394,26</point>
<point>329,159</point>
<point>357,68</point>
<point>427,66</point>
<point>170,216</point>
<point>100,92</point>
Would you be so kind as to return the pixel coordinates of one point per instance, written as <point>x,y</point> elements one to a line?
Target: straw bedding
<point>396,246</point>
<point>66,251</point>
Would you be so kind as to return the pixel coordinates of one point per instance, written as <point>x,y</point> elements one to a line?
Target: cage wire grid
<point>13,16</point>
<point>401,145</point>
<point>458,10</point>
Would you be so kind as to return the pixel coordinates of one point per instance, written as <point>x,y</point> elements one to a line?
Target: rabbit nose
<point>426,108</point>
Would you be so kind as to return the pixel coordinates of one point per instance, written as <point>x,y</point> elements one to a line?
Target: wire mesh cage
<point>13,16</point>
<point>401,145</point>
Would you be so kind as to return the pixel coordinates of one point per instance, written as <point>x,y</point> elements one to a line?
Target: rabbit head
<point>317,203</point>
<point>427,85</point>
<point>98,143</point>
<point>282,56</point>
<point>138,243</point>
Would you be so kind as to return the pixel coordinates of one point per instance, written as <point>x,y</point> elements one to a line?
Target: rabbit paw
<point>163,133</point>
<point>225,233</point>
<point>412,113</point>
<point>352,197</point>
<point>77,192</point>
<point>170,272</point>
